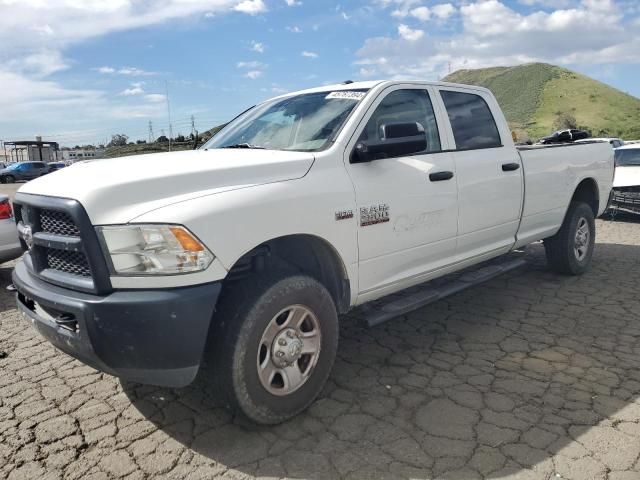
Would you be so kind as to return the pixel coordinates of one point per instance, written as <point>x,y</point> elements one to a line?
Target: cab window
<point>471,120</point>
<point>404,106</point>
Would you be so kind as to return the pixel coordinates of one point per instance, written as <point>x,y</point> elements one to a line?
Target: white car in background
<point>10,247</point>
<point>615,142</point>
<point>626,182</point>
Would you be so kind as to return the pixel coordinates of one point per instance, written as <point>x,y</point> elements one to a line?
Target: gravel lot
<point>530,375</point>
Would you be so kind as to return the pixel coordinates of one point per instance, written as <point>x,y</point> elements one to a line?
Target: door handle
<point>510,167</point>
<point>440,176</point>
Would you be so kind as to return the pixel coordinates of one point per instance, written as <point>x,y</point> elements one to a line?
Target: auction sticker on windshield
<point>347,95</point>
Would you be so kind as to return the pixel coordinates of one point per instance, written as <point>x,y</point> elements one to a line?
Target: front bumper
<point>625,199</point>
<point>148,336</point>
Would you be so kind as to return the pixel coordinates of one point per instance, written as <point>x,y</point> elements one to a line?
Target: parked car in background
<point>23,171</point>
<point>626,182</point>
<point>10,247</point>
<point>565,136</point>
<point>53,166</point>
<point>614,142</point>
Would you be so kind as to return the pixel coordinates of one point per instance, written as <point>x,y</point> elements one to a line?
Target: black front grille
<point>66,261</point>
<point>63,248</point>
<point>58,223</point>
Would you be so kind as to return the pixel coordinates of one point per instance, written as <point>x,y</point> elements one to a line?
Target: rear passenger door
<point>488,173</point>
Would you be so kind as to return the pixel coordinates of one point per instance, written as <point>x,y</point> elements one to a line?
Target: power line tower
<point>193,125</point>
<point>151,136</point>
<point>166,86</point>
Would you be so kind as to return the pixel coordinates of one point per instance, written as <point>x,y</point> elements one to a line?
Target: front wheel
<point>277,338</point>
<point>570,250</point>
<point>9,179</point>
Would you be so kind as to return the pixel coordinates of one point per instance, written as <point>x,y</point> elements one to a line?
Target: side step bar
<point>380,311</point>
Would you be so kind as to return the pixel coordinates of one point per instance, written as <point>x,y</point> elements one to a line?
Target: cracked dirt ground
<point>530,375</point>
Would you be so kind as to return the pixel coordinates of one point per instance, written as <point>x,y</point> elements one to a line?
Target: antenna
<point>166,87</point>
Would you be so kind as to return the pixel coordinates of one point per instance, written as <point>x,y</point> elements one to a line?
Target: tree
<point>162,139</point>
<point>141,142</point>
<point>565,120</point>
<point>179,139</point>
<point>118,140</point>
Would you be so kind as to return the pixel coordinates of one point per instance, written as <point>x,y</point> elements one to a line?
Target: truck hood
<point>120,189</point>
<point>627,176</point>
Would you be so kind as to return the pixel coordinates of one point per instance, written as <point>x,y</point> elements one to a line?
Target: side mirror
<point>396,140</point>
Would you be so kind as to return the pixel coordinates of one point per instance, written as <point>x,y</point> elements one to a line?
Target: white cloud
<point>40,64</point>
<point>34,35</point>
<point>409,34</point>
<point>294,29</point>
<point>309,54</point>
<point>254,74</point>
<point>257,47</point>
<point>443,10</point>
<point>134,72</point>
<point>421,13</point>
<point>253,64</point>
<point>293,3</point>
<point>345,16</point>
<point>252,7</point>
<point>155,97</point>
<point>493,34</point>
<point>134,89</point>
<point>127,71</point>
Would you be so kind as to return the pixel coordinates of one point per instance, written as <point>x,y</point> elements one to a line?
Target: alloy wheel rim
<point>582,239</point>
<point>289,350</point>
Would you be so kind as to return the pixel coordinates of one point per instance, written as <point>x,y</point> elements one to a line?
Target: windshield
<point>306,122</point>
<point>628,157</point>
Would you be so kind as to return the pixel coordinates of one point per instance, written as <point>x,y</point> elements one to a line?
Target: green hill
<point>538,98</point>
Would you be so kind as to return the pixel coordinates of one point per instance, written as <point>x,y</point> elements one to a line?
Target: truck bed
<point>550,175</point>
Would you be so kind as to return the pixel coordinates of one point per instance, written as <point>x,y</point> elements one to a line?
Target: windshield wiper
<point>244,145</point>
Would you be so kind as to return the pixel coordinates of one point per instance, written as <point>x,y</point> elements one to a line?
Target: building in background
<point>71,155</point>
<point>30,151</point>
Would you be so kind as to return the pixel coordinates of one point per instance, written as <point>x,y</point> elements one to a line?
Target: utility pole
<point>193,125</point>
<point>151,136</point>
<point>166,87</point>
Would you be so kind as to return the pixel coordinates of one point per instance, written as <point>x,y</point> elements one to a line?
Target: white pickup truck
<point>301,208</point>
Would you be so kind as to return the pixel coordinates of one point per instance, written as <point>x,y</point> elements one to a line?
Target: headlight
<point>154,249</point>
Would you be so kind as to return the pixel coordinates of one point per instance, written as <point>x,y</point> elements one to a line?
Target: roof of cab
<point>375,83</point>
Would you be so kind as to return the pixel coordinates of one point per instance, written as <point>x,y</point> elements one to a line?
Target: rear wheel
<point>570,250</point>
<point>275,344</point>
<point>9,179</point>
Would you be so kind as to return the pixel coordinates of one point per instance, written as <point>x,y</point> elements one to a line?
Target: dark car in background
<point>53,166</point>
<point>565,136</point>
<point>23,171</point>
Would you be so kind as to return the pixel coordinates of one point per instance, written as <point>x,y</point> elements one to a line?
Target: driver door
<point>407,205</point>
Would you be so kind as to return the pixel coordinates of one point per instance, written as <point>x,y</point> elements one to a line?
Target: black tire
<point>242,316</point>
<point>9,179</point>
<point>562,249</point>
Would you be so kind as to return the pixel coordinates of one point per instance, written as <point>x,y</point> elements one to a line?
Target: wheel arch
<point>587,191</point>
<point>292,252</point>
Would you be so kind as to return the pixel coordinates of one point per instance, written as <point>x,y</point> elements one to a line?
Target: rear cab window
<point>471,121</point>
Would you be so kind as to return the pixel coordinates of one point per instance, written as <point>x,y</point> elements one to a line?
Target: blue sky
<point>79,71</point>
